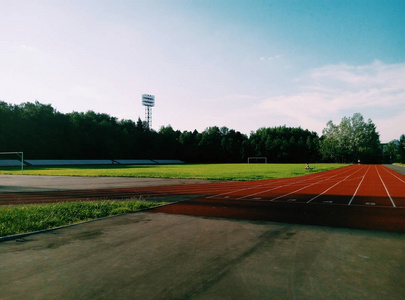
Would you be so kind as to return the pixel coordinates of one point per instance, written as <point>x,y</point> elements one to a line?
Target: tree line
<point>394,151</point>
<point>41,132</point>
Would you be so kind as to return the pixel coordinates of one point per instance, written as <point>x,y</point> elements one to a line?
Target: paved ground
<point>396,168</point>
<point>27,183</point>
<point>162,256</point>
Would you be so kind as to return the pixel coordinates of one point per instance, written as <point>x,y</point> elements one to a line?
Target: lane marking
<point>326,179</point>
<point>390,172</point>
<point>293,192</point>
<point>250,187</point>
<point>393,204</point>
<point>294,183</point>
<point>333,186</point>
<point>277,187</point>
<point>354,195</point>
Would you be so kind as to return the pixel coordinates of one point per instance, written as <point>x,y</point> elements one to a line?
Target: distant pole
<point>148,116</point>
<point>148,101</point>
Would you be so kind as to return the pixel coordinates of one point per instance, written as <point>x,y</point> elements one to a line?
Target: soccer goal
<point>13,162</point>
<point>257,160</point>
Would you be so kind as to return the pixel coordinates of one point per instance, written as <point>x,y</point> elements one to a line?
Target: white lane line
<point>274,188</point>
<point>333,186</point>
<point>390,172</point>
<point>354,195</point>
<point>393,204</point>
<point>261,192</point>
<point>326,179</point>
<point>307,186</point>
<point>293,183</point>
<point>240,190</point>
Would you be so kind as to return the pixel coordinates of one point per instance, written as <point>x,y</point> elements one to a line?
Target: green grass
<point>16,219</point>
<point>197,171</point>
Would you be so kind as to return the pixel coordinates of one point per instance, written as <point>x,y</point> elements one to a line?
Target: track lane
<point>277,188</point>
<point>372,192</point>
<point>309,193</point>
<point>341,191</point>
<point>395,184</point>
<point>331,194</point>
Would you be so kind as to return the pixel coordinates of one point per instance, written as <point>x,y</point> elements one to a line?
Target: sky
<point>240,64</point>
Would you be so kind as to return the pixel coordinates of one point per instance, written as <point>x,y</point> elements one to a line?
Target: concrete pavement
<point>28,183</point>
<point>161,256</point>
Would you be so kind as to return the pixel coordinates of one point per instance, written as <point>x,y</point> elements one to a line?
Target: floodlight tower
<point>148,101</point>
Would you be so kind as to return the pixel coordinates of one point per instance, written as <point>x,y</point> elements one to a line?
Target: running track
<point>358,196</point>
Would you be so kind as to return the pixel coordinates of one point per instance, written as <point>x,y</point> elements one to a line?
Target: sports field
<point>224,239</point>
<point>38,211</point>
<point>356,196</point>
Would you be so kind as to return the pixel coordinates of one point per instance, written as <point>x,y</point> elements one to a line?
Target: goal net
<point>12,159</point>
<point>257,160</point>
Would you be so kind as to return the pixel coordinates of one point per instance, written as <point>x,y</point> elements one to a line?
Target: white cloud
<point>275,57</point>
<point>86,93</point>
<point>278,56</point>
<point>28,48</point>
<point>392,128</point>
<point>376,90</point>
<point>376,74</point>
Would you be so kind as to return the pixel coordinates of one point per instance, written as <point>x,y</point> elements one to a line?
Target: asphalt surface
<point>396,168</point>
<point>163,256</point>
<point>28,183</point>
<point>149,255</point>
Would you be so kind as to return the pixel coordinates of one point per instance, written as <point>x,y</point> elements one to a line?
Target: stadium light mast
<point>148,101</point>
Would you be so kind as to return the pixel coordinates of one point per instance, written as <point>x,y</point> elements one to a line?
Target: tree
<point>284,144</point>
<point>169,140</point>
<point>352,140</point>
<point>401,148</point>
<point>189,149</point>
<point>43,133</point>
<point>391,153</point>
<point>210,144</point>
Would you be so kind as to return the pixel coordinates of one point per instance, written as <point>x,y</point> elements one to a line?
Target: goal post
<point>19,154</point>
<point>257,160</point>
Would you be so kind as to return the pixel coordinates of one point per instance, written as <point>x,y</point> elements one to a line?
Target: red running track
<point>358,196</point>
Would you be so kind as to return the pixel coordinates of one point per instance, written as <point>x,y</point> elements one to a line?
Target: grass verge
<point>195,171</point>
<point>15,219</point>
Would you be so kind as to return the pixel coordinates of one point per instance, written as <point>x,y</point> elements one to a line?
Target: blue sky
<point>240,64</point>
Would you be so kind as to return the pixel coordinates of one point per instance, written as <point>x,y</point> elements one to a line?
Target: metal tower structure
<point>148,101</point>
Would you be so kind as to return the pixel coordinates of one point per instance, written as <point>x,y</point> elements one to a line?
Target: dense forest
<point>41,132</point>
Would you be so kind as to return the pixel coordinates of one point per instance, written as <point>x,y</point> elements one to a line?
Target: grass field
<point>196,171</point>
